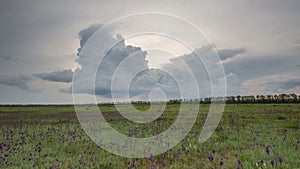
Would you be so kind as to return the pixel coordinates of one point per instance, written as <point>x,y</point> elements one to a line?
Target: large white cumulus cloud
<point>122,71</point>
<point>101,70</point>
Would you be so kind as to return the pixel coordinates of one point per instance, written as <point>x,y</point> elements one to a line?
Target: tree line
<point>276,98</point>
<point>280,98</point>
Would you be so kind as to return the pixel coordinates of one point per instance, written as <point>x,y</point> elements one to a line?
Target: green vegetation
<point>248,136</point>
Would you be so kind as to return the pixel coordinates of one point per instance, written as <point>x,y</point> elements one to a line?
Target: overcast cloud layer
<point>258,43</point>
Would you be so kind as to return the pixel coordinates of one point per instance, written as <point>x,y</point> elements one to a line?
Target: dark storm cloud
<point>230,53</point>
<point>57,76</point>
<point>250,67</point>
<point>284,84</point>
<point>20,81</point>
<point>204,64</point>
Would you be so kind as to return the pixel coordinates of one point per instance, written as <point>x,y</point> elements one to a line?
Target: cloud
<point>204,66</point>
<point>251,67</point>
<point>124,72</point>
<point>275,83</point>
<point>284,84</point>
<point>57,76</point>
<point>85,34</point>
<point>154,79</point>
<point>115,56</point>
<point>230,53</point>
<point>20,81</point>
<point>118,67</point>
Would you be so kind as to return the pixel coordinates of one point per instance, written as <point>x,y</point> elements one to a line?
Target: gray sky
<point>258,43</point>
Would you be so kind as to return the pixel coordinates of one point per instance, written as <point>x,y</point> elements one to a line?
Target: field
<point>248,136</point>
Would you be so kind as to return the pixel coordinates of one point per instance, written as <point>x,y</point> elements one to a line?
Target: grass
<point>51,137</point>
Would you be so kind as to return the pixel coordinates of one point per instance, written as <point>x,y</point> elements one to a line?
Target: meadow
<point>248,136</point>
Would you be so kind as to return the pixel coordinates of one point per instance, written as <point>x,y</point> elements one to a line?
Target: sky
<point>42,43</point>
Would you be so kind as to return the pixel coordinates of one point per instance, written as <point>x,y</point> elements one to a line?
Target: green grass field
<point>248,136</point>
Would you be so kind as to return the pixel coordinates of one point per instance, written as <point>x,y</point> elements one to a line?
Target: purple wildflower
<point>280,160</point>
<point>221,162</point>
<point>268,149</point>
<point>2,145</point>
<point>240,165</point>
<point>151,157</point>
<point>210,157</point>
<point>214,151</point>
<point>272,162</point>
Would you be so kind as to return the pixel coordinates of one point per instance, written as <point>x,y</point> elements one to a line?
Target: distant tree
<point>293,97</point>
<point>269,98</point>
<point>283,98</point>
<point>232,99</point>
<point>276,98</point>
<point>238,99</point>
<point>263,98</point>
<point>257,98</point>
<point>207,100</point>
